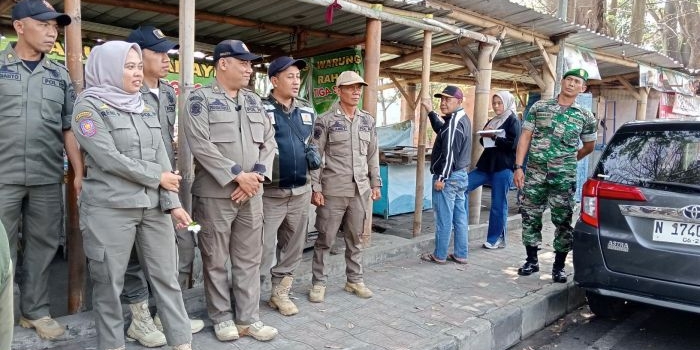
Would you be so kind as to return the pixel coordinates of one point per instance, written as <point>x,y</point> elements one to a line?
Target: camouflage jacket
<point>556,134</point>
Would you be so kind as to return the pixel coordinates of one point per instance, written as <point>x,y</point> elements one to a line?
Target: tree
<point>386,98</point>
<point>689,21</point>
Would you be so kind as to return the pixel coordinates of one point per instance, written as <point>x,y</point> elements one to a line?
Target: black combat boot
<point>531,264</point>
<point>558,273</point>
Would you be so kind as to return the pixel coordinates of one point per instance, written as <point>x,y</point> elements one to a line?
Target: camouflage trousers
<point>554,186</point>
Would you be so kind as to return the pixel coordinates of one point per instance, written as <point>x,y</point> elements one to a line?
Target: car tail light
<point>595,189</point>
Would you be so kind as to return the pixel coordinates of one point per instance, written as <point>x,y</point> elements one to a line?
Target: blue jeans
<point>450,210</point>
<point>500,185</point>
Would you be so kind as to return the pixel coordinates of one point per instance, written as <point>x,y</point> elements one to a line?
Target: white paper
<point>497,131</point>
<point>488,142</point>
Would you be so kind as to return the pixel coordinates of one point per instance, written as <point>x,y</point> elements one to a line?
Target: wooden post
<point>420,161</point>
<point>549,83</point>
<point>184,155</point>
<point>482,102</point>
<point>74,240</point>
<point>642,103</point>
<point>373,43</point>
<point>406,112</point>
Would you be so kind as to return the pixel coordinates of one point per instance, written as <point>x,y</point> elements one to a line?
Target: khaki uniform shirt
<point>125,157</point>
<point>164,104</point>
<point>35,109</point>
<point>351,153</point>
<point>226,136</point>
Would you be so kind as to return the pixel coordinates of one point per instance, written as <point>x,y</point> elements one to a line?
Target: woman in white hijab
<point>128,194</point>
<point>495,167</point>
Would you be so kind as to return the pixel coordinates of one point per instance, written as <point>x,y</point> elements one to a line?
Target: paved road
<point>643,327</point>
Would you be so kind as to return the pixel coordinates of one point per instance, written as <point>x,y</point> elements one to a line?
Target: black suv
<point>638,236</point>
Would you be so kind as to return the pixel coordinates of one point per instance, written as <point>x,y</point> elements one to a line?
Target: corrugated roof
<point>297,16</point>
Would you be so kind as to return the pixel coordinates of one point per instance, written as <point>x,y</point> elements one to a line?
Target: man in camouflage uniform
<point>551,132</point>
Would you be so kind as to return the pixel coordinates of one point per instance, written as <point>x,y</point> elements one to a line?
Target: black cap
<point>233,48</point>
<point>39,10</point>
<point>150,37</point>
<point>281,63</point>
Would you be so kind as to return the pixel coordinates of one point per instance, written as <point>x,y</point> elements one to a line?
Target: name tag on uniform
<point>306,118</point>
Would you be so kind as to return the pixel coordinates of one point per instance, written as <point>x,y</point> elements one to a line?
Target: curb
<point>505,327</point>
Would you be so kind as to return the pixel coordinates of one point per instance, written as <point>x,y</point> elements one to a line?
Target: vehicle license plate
<point>676,232</point>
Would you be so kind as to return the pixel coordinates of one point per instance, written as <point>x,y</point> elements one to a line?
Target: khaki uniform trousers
<point>350,211</point>
<point>7,321</point>
<point>41,209</point>
<point>285,221</point>
<point>135,286</point>
<point>109,235</point>
<point>230,232</point>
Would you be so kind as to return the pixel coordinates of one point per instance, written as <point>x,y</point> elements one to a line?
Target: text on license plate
<point>676,232</point>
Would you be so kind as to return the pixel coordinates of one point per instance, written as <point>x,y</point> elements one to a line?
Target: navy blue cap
<point>233,48</point>
<point>150,37</point>
<point>39,10</point>
<point>279,64</point>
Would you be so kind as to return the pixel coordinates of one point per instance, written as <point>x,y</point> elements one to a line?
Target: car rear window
<point>668,160</point>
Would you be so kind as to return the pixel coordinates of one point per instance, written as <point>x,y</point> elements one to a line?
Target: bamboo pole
<point>369,12</point>
<point>184,154</point>
<point>420,161</point>
<point>373,43</point>
<point>549,83</point>
<point>74,240</point>
<point>482,101</point>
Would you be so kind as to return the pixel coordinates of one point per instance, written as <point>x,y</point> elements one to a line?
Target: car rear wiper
<point>674,185</point>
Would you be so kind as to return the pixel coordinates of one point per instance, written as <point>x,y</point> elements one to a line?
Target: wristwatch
<point>517,166</point>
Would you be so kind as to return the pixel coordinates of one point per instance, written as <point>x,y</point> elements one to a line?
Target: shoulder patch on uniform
<point>318,131</point>
<point>196,109</point>
<point>83,114</point>
<point>87,127</point>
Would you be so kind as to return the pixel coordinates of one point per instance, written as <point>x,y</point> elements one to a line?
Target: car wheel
<point>605,306</point>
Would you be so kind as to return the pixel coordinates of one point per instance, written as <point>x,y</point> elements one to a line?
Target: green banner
<point>325,69</point>
<point>203,71</point>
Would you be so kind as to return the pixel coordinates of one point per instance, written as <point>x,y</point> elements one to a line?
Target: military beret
<point>577,72</point>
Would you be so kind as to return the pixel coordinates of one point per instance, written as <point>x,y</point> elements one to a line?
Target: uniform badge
<point>82,115</point>
<point>271,115</point>
<point>338,126</point>
<point>306,118</point>
<point>196,109</point>
<point>87,127</point>
<point>318,131</point>
<point>158,34</point>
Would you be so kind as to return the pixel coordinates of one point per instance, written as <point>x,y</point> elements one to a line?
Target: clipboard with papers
<point>488,142</point>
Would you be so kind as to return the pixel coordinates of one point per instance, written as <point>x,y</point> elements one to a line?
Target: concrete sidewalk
<point>416,305</point>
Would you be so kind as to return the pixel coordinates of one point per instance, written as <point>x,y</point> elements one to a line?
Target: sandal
<point>429,257</point>
<point>462,261</point>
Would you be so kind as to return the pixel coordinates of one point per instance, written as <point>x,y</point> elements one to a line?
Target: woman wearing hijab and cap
<point>495,167</point>
<point>128,194</point>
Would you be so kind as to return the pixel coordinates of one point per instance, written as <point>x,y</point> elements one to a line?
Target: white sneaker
<point>498,245</point>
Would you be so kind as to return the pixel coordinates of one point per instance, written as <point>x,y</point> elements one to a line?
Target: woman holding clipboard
<point>495,167</point>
